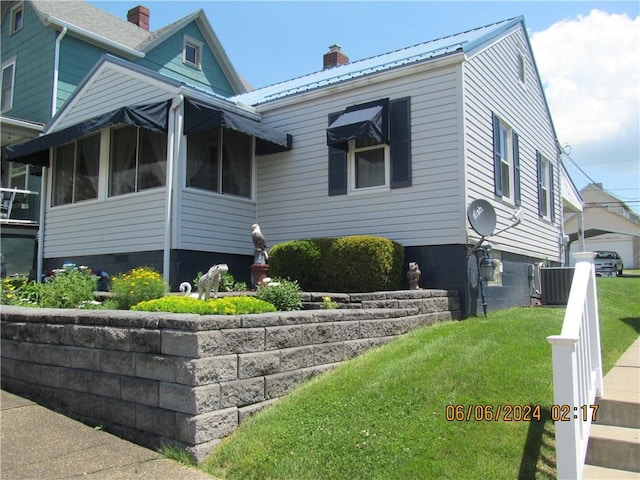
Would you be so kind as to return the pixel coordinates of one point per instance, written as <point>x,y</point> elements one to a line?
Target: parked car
<point>608,263</point>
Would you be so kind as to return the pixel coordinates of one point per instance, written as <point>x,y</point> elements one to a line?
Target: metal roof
<point>433,49</point>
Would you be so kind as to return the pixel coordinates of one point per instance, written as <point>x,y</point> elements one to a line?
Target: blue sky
<point>588,55</point>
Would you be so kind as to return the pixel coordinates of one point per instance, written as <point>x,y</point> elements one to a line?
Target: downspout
<point>174,129</point>
<point>45,170</point>
<point>56,61</point>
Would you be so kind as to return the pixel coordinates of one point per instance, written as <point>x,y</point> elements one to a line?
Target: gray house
<point>398,145</point>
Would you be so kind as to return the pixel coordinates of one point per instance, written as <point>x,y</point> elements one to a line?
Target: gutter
<point>175,127</point>
<point>94,37</point>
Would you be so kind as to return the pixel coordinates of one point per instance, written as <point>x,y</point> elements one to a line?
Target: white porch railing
<point>577,370</point>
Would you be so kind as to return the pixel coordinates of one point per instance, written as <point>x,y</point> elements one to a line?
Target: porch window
<point>138,160</point>
<point>220,161</point>
<point>8,77</point>
<point>75,171</point>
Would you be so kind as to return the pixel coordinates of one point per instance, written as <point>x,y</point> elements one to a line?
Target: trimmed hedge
<point>219,306</point>
<point>356,263</point>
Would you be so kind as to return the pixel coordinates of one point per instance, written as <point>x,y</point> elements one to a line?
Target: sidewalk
<point>39,444</point>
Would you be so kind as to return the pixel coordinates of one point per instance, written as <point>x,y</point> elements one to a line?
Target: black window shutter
<point>497,170</point>
<point>337,167</point>
<point>400,139</point>
<point>539,171</point>
<point>516,170</point>
<point>552,195</point>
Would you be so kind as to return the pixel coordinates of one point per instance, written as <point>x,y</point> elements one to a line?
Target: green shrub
<point>228,284</point>
<point>363,263</point>
<point>220,306</point>
<point>297,260</point>
<point>67,288</point>
<point>137,285</point>
<point>19,290</point>
<point>285,295</point>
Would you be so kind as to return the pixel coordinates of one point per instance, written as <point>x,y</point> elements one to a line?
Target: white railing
<point>577,370</point>
<point>18,206</point>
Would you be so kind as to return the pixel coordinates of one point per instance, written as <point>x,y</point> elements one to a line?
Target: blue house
<point>48,48</point>
<point>398,145</point>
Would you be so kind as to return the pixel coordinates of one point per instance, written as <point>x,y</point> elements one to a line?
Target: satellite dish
<point>482,217</point>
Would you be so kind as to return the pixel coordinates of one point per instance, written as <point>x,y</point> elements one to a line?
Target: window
<point>369,164</point>
<point>192,52</point>
<point>138,160</point>
<point>546,198</point>
<point>17,18</point>
<point>370,146</point>
<point>8,77</point>
<point>75,171</point>
<point>220,161</point>
<point>506,147</point>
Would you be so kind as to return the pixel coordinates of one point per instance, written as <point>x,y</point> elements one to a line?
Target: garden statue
<point>259,268</point>
<point>260,255</point>
<point>211,281</point>
<point>413,275</point>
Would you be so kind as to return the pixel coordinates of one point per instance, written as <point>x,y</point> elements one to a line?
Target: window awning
<point>199,117</point>
<point>367,120</point>
<point>36,151</point>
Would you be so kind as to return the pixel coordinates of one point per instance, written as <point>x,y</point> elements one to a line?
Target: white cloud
<point>590,67</point>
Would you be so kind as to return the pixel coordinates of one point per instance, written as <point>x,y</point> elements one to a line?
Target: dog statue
<point>413,275</point>
<point>211,281</point>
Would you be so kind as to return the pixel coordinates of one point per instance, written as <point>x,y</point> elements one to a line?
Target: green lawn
<point>383,415</point>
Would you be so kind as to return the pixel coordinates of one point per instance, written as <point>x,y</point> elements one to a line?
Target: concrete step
<point>618,412</point>
<point>614,447</point>
<point>591,472</point>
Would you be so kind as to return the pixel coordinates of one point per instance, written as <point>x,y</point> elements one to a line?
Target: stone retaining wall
<point>188,380</point>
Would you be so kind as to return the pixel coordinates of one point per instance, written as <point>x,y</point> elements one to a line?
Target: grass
<point>383,415</point>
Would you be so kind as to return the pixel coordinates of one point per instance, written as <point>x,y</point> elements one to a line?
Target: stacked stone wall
<point>189,380</point>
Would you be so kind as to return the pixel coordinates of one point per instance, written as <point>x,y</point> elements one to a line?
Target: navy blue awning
<point>199,117</point>
<point>364,121</point>
<point>36,151</point>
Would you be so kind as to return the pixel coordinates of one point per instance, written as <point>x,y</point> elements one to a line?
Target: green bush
<point>285,295</point>
<point>297,260</point>
<point>220,306</point>
<point>363,263</point>
<point>137,285</point>
<point>19,290</point>
<point>67,288</point>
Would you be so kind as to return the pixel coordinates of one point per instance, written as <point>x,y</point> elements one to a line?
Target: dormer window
<point>192,52</point>
<point>17,18</point>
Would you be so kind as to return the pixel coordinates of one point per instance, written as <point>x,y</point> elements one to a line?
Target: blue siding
<point>77,58</point>
<point>166,58</point>
<point>33,48</point>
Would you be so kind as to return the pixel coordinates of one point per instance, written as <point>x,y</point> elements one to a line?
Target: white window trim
<point>14,10</point>
<point>10,63</point>
<point>509,160</point>
<point>197,45</point>
<point>351,169</point>
<point>545,173</point>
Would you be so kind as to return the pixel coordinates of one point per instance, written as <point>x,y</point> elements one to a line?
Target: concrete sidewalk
<point>39,444</point>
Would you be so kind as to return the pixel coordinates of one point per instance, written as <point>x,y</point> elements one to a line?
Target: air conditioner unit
<point>555,283</point>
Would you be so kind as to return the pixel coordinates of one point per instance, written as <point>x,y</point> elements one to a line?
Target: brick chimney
<point>334,57</point>
<point>139,16</point>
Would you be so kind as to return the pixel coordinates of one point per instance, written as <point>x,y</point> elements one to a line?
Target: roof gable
<point>431,50</point>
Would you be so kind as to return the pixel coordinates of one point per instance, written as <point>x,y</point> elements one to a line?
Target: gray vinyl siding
<point>113,88</point>
<point>33,48</point>
<point>492,85</point>
<point>292,186</point>
<point>128,223</point>
<point>211,222</point>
